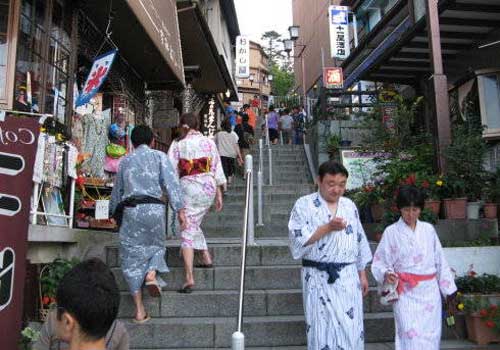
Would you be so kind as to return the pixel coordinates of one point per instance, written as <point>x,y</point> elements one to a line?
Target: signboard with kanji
<point>242,57</point>
<point>333,78</point>
<point>339,31</point>
<point>97,75</point>
<point>18,145</point>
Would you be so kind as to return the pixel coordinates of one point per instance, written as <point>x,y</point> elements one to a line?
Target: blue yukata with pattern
<point>145,172</point>
<point>333,311</point>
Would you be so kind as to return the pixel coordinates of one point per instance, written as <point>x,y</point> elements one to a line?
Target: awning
<point>147,36</point>
<point>404,55</point>
<point>199,49</point>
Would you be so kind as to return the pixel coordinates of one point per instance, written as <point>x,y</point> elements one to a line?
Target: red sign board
<point>333,78</point>
<point>18,144</point>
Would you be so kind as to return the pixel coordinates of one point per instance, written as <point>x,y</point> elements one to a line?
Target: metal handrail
<point>238,338</point>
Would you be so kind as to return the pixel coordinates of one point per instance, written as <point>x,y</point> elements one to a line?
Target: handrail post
<point>270,166</point>
<point>281,137</point>
<point>267,130</point>
<point>259,198</point>
<point>238,338</point>
<point>261,155</point>
<point>251,217</point>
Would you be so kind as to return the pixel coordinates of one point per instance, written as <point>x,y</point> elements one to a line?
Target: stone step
<point>224,303</point>
<point>445,345</point>
<point>284,331</point>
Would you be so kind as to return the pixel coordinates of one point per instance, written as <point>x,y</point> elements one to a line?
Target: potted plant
<point>50,276</point>
<point>432,186</point>
<point>29,336</point>
<point>492,195</point>
<point>479,299</point>
<point>332,145</point>
<point>455,201</point>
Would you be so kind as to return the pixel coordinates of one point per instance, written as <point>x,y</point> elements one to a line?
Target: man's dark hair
<point>245,106</point>
<point>332,168</point>
<point>410,196</point>
<point>90,294</point>
<point>141,135</point>
<point>245,118</point>
<point>226,125</point>
<point>287,111</point>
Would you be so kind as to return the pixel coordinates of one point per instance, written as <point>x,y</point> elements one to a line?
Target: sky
<point>258,16</point>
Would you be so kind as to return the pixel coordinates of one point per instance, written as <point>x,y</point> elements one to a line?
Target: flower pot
<point>455,208</point>
<point>478,332</point>
<point>433,205</point>
<point>377,211</point>
<point>473,210</point>
<point>490,210</point>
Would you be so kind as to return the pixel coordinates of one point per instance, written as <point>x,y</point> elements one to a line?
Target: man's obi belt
<point>332,269</point>
<point>409,281</point>
<point>194,166</point>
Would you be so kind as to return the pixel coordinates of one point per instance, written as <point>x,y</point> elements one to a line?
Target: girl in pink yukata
<point>410,256</point>
<point>199,168</point>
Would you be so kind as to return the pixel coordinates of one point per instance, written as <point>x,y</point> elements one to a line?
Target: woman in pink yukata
<point>199,168</point>
<point>410,255</point>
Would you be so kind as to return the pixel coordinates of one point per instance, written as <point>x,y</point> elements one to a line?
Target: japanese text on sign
<point>333,78</point>
<point>242,57</point>
<point>339,31</point>
<point>209,119</point>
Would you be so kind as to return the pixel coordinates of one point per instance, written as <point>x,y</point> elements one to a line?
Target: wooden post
<point>439,84</point>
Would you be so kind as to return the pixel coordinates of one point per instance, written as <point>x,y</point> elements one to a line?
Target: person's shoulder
<point>307,199</point>
<point>428,227</point>
<point>349,203</point>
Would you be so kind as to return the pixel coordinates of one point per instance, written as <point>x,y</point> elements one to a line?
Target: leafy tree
<point>283,80</point>
<point>272,51</point>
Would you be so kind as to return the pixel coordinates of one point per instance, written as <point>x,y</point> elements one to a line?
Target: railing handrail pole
<point>259,198</point>
<point>238,338</point>
<point>270,166</point>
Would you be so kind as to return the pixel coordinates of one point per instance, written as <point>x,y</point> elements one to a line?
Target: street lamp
<point>251,78</point>
<point>270,77</point>
<point>288,43</point>
<point>294,32</point>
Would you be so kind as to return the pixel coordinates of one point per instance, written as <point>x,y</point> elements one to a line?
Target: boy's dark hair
<point>141,135</point>
<point>287,111</point>
<point>245,118</point>
<point>332,168</point>
<point>90,294</point>
<point>246,106</point>
<point>226,125</point>
<point>410,196</point>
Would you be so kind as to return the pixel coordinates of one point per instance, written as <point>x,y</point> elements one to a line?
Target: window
<point>43,57</point>
<point>489,99</point>
<point>7,50</point>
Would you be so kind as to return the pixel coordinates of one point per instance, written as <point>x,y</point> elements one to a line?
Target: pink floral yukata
<point>199,190</point>
<point>418,310</point>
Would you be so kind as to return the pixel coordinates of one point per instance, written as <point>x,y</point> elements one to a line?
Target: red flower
<point>483,312</point>
<point>394,209</point>
<point>80,181</point>
<point>493,307</point>
<point>425,184</point>
<point>490,324</point>
<point>410,180</point>
<point>45,300</point>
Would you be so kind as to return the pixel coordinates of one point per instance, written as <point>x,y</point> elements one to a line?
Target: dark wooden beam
<point>406,64</point>
<point>396,80</point>
<point>456,35</point>
<point>475,7</point>
<point>444,46</point>
<point>469,22</point>
<point>394,72</point>
<point>419,55</point>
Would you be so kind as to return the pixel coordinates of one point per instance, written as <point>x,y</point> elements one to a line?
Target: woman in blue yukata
<point>326,233</point>
<point>410,257</point>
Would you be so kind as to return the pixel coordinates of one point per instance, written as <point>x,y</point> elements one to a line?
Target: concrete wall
<point>312,17</point>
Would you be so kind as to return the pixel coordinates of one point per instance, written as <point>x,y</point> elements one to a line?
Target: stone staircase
<point>273,312</point>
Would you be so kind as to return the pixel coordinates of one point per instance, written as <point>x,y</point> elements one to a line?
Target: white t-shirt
<point>286,122</point>
<point>227,143</point>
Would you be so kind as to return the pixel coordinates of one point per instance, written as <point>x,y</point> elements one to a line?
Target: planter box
<point>478,332</point>
<point>483,259</point>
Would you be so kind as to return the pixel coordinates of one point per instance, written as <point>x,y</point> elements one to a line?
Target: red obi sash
<point>194,166</point>
<point>410,280</point>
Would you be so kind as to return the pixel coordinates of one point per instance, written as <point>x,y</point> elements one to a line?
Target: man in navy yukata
<point>326,233</point>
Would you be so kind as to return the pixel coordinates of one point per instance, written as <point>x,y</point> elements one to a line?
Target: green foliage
<point>332,143</point>
<point>484,240</point>
<point>271,49</point>
<point>484,284</point>
<point>491,188</point>
<point>53,275</point>
<point>283,80</point>
<point>28,336</point>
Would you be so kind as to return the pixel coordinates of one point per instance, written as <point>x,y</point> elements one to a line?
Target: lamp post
<point>289,45</point>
